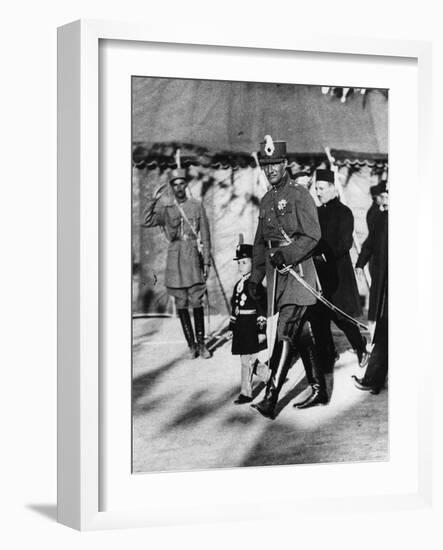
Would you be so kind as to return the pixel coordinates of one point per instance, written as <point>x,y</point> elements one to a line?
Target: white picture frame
<point>79,360</point>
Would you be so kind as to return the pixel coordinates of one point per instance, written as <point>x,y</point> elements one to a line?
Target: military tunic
<point>292,207</point>
<point>183,266</point>
<point>248,319</point>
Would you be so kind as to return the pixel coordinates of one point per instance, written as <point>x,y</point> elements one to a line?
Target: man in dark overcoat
<point>335,270</point>
<point>189,254</point>
<point>287,233</point>
<point>375,375</point>
<point>374,250</point>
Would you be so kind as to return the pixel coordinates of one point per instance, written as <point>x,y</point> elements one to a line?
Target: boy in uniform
<point>247,325</point>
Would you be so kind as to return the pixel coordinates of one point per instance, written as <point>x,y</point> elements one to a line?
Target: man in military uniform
<point>287,233</point>
<point>187,229</point>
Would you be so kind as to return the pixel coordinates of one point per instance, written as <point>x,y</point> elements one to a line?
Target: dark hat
<point>177,174</point>
<point>374,190</point>
<point>324,175</point>
<point>272,152</point>
<point>383,187</point>
<point>379,188</point>
<point>243,251</point>
<point>301,174</point>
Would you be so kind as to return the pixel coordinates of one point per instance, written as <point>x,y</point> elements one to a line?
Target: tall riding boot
<point>199,321</point>
<point>185,320</point>
<point>280,363</point>
<point>313,369</point>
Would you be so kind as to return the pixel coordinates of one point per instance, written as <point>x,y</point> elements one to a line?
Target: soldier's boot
<point>185,320</point>
<point>279,364</point>
<point>199,321</point>
<point>313,369</point>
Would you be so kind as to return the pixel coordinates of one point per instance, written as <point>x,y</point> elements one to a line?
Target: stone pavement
<point>184,418</point>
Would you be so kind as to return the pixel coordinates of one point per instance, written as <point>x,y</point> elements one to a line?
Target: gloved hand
<point>278,260</point>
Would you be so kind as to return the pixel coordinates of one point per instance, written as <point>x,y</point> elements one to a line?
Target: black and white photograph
<point>259,274</point>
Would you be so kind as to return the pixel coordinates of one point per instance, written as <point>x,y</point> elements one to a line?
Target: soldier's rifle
<point>217,275</point>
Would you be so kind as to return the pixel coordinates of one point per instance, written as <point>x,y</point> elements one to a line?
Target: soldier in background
<point>287,233</point>
<point>189,254</point>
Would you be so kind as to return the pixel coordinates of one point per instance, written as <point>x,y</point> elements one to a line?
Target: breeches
<point>289,322</point>
<point>188,297</point>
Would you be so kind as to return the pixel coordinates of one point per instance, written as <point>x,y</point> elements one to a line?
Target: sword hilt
<point>284,269</point>
<point>287,268</point>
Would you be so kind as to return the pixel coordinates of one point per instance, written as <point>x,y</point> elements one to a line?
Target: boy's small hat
<point>243,251</point>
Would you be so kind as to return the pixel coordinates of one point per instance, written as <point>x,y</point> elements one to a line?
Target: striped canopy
<point>217,117</point>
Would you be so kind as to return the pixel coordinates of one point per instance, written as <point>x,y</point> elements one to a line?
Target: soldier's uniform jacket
<point>248,318</point>
<point>291,206</point>
<point>183,266</point>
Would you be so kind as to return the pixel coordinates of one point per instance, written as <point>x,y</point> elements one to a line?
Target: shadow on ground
<point>348,436</point>
<point>48,511</point>
<point>197,408</point>
<point>143,384</point>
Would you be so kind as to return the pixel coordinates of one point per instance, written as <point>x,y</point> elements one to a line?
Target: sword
<point>273,319</point>
<point>220,340</point>
<point>320,297</point>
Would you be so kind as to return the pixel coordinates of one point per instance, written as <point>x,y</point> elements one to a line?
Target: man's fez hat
<point>301,174</point>
<point>243,251</point>
<point>324,175</point>
<point>378,189</point>
<point>272,152</point>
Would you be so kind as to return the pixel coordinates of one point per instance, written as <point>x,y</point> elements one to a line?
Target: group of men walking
<point>301,250</point>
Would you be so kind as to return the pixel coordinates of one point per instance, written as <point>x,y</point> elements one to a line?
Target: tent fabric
<point>221,116</point>
<point>218,127</point>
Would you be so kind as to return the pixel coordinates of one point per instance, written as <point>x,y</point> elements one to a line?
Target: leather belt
<point>247,312</point>
<point>277,244</point>
<point>185,238</point>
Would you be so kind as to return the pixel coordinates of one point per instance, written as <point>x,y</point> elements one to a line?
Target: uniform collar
<point>284,181</point>
<point>242,281</point>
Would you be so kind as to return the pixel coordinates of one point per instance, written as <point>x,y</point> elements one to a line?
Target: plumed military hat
<point>243,251</point>
<point>324,175</point>
<point>272,152</point>
<point>177,174</point>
